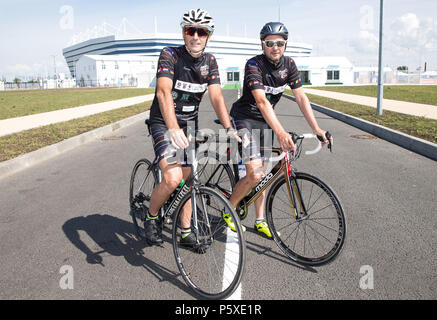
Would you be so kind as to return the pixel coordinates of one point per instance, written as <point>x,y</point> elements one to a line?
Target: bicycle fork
<point>194,203</point>
<point>294,192</point>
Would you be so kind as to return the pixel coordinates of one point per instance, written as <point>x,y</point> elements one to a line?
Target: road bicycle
<point>304,214</point>
<point>213,268</point>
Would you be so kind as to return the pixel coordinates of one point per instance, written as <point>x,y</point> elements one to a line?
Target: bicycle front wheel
<point>312,234</point>
<point>142,182</point>
<point>214,267</point>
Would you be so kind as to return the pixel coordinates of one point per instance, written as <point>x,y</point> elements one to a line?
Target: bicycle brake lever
<point>328,137</point>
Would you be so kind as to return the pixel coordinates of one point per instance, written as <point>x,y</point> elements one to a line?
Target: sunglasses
<point>192,30</point>
<point>271,43</point>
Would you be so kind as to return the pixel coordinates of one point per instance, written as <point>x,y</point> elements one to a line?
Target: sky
<point>34,32</point>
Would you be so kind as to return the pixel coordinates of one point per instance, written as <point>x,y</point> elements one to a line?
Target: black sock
<point>150,217</point>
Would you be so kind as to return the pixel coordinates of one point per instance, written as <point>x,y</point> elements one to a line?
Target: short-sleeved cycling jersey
<point>191,78</point>
<point>260,73</point>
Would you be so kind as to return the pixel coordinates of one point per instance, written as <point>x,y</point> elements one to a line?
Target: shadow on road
<point>117,238</point>
<point>268,251</point>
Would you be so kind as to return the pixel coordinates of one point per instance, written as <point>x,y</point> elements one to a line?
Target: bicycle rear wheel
<point>142,182</point>
<point>312,238</point>
<point>213,269</point>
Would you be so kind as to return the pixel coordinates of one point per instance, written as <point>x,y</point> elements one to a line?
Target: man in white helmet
<point>183,75</point>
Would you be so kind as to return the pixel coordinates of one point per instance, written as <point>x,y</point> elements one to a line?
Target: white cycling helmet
<point>198,18</point>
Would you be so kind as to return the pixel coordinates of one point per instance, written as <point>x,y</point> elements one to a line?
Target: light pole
<point>380,67</point>
<point>54,64</point>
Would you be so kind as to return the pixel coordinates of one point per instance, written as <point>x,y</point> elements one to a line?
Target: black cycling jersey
<point>191,77</point>
<point>260,73</point>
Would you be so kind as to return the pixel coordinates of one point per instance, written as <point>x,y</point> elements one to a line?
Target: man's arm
<point>164,86</point>
<point>305,107</point>
<point>272,120</point>
<point>218,103</point>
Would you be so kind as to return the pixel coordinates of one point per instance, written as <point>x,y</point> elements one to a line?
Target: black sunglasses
<point>192,30</point>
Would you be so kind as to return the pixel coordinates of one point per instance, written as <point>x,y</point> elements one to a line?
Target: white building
<point>321,71</point>
<point>115,70</point>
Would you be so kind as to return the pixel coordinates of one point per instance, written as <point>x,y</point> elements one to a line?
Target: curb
<point>417,145</point>
<point>27,160</point>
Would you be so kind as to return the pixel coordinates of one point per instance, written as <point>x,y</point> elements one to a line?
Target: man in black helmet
<point>266,77</point>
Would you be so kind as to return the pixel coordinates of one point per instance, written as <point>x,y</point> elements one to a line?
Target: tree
<point>402,68</point>
<point>17,82</point>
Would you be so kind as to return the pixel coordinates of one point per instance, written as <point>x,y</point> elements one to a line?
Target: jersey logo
<point>174,95</point>
<point>204,70</point>
<point>274,91</point>
<point>191,87</point>
<point>283,73</point>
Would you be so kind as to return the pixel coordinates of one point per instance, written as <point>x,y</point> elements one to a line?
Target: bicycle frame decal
<point>264,184</point>
<point>177,199</point>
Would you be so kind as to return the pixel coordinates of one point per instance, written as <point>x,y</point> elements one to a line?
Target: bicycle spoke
<point>315,238</point>
<point>214,272</point>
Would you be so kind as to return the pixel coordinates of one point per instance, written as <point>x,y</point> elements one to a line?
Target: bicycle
<point>214,267</point>
<point>304,214</point>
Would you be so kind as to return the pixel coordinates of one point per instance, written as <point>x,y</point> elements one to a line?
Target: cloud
<point>408,31</point>
<point>366,43</point>
<point>19,68</point>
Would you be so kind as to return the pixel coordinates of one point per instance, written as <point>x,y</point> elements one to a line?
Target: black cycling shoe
<point>190,242</point>
<point>153,232</point>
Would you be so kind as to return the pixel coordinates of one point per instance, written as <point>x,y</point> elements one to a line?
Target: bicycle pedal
<point>168,220</point>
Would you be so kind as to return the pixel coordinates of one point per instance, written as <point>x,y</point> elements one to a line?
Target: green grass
<point>17,144</point>
<point>417,94</point>
<point>232,86</point>
<point>419,127</point>
<point>26,102</point>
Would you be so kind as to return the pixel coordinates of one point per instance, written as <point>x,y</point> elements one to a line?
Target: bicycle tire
<point>142,182</point>
<point>213,270</point>
<point>298,237</point>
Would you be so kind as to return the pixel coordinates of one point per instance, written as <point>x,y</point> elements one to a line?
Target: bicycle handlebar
<point>319,144</point>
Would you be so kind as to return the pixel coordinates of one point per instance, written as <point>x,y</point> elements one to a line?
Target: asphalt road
<point>69,216</point>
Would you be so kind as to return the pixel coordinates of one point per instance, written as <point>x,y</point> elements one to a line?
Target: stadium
<point>129,59</point>
<point>114,59</point>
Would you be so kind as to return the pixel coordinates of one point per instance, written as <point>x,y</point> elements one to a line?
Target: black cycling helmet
<point>273,28</point>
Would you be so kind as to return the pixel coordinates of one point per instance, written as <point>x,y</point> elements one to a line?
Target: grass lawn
<point>25,102</point>
<point>419,94</point>
<point>415,126</point>
<point>17,144</point>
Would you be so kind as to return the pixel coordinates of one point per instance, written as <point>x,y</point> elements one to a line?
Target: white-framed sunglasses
<point>271,43</point>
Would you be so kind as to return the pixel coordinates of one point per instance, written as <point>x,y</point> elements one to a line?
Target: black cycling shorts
<point>256,136</point>
<point>163,147</point>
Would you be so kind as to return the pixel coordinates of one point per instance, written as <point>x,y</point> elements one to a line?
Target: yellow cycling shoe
<point>263,228</point>
<point>227,217</point>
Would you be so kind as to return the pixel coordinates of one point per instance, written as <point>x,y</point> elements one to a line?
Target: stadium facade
<point>131,60</point>
<point>231,54</point>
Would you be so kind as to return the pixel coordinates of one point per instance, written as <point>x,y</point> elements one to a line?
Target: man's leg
<point>171,177</point>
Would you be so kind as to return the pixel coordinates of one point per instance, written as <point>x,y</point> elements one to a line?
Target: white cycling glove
<point>178,138</point>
